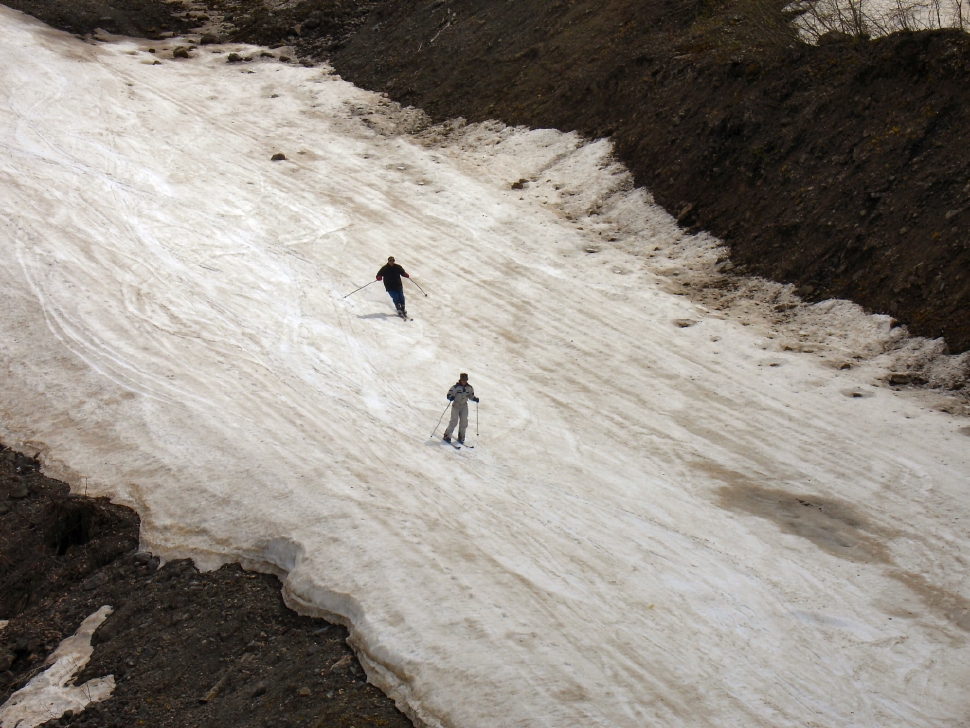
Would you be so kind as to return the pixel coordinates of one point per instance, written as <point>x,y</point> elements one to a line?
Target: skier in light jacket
<point>458,395</point>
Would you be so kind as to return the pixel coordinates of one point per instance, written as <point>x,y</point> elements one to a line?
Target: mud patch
<point>833,526</point>
<point>838,529</point>
<point>953,607</point>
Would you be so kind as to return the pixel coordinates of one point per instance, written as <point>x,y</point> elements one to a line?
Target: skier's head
<point>390,259</point>
<point>463,377</point>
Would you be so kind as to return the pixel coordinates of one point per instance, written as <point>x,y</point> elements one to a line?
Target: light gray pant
<point>458,414</point>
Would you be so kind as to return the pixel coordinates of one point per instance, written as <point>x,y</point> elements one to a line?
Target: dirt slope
<point>844,169</point>
<point>175,633</point>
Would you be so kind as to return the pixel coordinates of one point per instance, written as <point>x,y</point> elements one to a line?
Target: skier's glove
<point>475,399</point>
<point>451,399</point>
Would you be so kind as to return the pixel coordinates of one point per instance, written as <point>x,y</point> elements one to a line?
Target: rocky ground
<point>186,648</point>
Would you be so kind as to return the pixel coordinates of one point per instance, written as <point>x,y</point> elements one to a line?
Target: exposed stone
<point>94,582</point>
<point>278,157</point>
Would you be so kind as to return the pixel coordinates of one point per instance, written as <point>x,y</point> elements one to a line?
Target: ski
<point>457,445</point>
<point>404,316</point>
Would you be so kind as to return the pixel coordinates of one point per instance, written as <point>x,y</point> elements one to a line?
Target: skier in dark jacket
<point>391,275</point>
<point>458,395</point>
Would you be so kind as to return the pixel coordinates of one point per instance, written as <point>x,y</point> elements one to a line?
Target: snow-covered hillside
<point>666,520</point>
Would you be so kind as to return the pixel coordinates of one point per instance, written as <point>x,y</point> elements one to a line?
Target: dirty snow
<point>678,511</point>
<point>52,693</point>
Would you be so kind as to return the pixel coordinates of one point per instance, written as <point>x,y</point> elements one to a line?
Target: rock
<point>278,157</point>
<point>94,582</point>
<point>285,59</point>
<point>260,689</point>
<point>952,214</point>
<point>806,290</point>
<point>180,52</point>
<point>833,36</point>
<point>4,510</point>
<point>19,491</point>
<point>311,23</point>
<point>687,210</point>
<point>684,323</point>
<point>209,39</point>
<point>724,267</point>
<point>304,692</point>
<point>142,557</point>
<point>897,380</point>
<point>6,660</point>
<point>520,185</point>
<point>234,58</point>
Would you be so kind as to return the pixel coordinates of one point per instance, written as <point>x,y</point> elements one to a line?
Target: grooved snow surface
<point>656,528</point>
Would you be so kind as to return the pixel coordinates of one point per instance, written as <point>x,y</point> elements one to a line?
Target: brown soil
<point>844,169</point>
<point>141,18</point>
<point>174,633</point>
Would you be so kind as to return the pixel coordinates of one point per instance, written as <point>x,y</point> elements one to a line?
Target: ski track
<point>624,545</point>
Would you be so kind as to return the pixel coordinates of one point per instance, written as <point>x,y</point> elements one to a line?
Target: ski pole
<point>476,419</point>
<point>440,419</point>
<point>419,286</point>
<point>361,288</point>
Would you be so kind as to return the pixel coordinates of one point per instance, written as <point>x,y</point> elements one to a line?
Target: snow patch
<point>52,693</point>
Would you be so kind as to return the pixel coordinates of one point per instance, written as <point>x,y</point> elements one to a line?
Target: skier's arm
<point>380,273</point>
<point>471,394</point>
<point>451,393</point>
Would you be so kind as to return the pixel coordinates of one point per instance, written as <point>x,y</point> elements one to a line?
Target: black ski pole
<point>419,286</point>
<point>476,419</point>
<point>440,418</point>
<point>361,288</point>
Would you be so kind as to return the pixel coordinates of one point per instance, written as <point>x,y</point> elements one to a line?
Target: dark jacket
<point>391,275</point>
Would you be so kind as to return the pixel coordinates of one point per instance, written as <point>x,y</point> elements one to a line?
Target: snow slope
<point>661,525</point>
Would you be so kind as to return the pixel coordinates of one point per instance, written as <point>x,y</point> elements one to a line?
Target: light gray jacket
<point>461,394</point>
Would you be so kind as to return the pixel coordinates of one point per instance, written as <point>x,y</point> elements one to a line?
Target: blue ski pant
<point>458,415</point>
<point>398,297</point>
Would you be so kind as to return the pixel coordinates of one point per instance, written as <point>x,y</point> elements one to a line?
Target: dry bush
<point>870,18</point>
